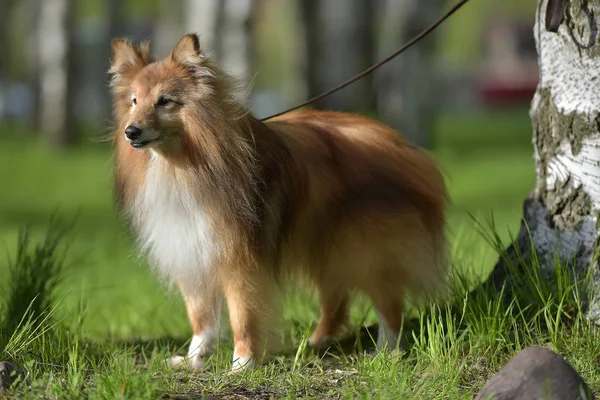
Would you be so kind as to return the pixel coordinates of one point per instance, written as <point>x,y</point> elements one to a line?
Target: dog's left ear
<point>187,51</point>
<point>128,59</point>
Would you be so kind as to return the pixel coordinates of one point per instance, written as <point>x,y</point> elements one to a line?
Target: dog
<point>230,208</point>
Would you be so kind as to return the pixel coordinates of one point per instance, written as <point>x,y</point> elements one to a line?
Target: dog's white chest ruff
<point>172,227</point>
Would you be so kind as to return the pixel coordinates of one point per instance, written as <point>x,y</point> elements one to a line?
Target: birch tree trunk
<point>406,86</point>
<point>339,44</point>
<point>55,67</point>
<point>562,212</point>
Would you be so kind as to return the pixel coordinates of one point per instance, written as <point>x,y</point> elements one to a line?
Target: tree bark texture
<point>339,44</point>
<point>406,86</point>
<point>55,21</point>
<point>561,214</point>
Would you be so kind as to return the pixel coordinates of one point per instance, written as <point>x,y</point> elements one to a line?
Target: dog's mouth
<point>140,144</point>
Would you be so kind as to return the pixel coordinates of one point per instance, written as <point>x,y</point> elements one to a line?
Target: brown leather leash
<point>373,67</point>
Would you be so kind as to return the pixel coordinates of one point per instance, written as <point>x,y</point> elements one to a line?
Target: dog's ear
<point>188,52</point>
<point>128,59</point>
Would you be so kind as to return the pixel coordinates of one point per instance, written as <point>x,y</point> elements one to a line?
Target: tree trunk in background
<point>406,86</point>
<point>112,20</point>
<point>204,17</point>
<point>33,63</point>
<point>225,31</point>
<point>54,68</point>
<point>92,101</point>
<point>339,44</point>
<point>6,6</point>
<point>236,39</point>
<point>562,213</point>
<point>169,27</point>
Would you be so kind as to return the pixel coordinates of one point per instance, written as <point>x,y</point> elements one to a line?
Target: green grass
<point>108,325</point>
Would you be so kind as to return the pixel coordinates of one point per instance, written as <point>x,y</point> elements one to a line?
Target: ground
<point>113,323</point>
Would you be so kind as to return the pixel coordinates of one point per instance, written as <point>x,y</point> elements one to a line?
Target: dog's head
<point>155,99</point>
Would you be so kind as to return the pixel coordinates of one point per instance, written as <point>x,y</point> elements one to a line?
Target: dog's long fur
<point>228,206</point>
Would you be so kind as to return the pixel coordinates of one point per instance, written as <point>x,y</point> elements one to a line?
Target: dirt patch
<point>234,394</point>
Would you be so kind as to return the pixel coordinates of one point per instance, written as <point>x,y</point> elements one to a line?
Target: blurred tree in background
<point>406,86</point>
<point>54,75</point>
<point>339,44</point>
<point>6,6</point>
<point>56,70</point>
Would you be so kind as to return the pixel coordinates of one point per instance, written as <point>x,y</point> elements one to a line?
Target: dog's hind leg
<point>334,315</point>
<point>389,305</point>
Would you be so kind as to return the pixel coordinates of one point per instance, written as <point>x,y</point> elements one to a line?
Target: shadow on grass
<point>363,341</point>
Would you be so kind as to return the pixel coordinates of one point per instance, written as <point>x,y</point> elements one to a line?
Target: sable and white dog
<point>230,207</point>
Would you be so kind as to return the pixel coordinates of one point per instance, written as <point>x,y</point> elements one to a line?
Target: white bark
<point>54,50</point>
<point>580,168</point>
<point>572,76</point>
<point>562,216</point>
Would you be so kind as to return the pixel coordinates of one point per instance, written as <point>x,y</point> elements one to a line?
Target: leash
<point>373,67</point>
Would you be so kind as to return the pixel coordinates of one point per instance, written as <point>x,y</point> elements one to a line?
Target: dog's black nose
<point>132,132</point>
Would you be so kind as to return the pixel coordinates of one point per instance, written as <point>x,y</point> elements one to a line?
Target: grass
<point>103,328</point>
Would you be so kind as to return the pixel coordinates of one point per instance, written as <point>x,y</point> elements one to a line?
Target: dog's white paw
<point>241,364</point>
<point>196,363</point>
<point>201,347</point>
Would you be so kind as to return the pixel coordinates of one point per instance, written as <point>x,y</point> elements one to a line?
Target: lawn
<point>114,323</point>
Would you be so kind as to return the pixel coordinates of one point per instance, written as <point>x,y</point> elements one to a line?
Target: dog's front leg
<point>204,312</point>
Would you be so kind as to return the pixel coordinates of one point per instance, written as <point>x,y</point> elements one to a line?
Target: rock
<point>536,373</point>
<point>9,373</point>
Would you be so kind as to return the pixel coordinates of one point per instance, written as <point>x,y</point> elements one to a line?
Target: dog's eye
<point>134,101</point>
<point>163,101</point>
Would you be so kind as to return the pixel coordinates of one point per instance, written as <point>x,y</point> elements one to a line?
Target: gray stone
<point>536,373</point>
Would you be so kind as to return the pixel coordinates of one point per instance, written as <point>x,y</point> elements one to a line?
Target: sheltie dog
<point>231,208</point>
